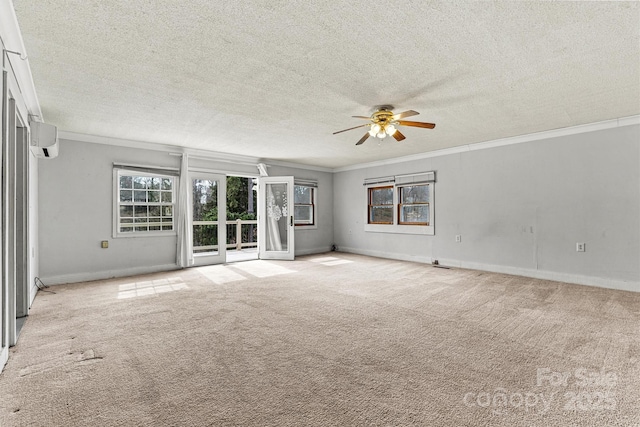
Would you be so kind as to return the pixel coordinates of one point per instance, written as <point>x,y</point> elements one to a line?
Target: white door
<point>275,218</point>
<point>208,198</point>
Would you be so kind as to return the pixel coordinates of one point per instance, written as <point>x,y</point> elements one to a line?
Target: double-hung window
<point>381,205</point>
<point>413,204</point>
<point>401,204</point>
<point>144,203</point>
<point>304,210</point>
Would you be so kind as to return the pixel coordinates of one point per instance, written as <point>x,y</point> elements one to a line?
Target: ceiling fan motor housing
<point>382,117</point>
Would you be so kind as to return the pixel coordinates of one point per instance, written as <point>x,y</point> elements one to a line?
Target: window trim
<point>123,171</point>
<point>396,227</point>
<point>314,198</point>
<point>400,205</point>
<point>370,206</point>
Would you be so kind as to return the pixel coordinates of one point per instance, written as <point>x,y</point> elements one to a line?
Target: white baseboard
<point>313,251</point>
<point>109,274</point>
<point>389,255</point>
<point>601,282</point>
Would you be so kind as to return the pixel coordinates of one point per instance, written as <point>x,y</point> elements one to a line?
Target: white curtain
<point>185,233</point>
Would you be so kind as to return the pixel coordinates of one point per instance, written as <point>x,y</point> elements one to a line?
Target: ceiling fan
<point>384,122</point>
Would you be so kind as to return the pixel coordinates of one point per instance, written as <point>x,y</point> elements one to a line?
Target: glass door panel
<point>275,216</point>
<point>208,194</point>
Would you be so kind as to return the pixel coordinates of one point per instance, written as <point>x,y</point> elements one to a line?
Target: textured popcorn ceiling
<point>274,79</point>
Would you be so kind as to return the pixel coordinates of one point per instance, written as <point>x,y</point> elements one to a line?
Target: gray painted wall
<point>520,209</point>
<point>75,212</point>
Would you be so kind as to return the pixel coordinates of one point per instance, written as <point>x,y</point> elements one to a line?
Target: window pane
<point>166,184</point>
<point>204,237</point>
<point>126,211</point>
<point>154,211</point>
<point>166,197</point>
<point>167,227</point>
<point>140,196</point>
<point>140,211</point>
<point>303,214</point>
<point>382,196</point>
<point>139,182</point>
<point>414,194</point>
<point>126,220</point>
<point>126,182</point>
<point>126,229</point>
<point>155,183</point>
<point>142,228</point>
<point>381,215</point>
<point>302,194</point>
<point>126,195</point>
<point>154,196</point>
<point>167,210</point>
<point>205,200</point>
<point>277,211</point>
<point>414,214</point>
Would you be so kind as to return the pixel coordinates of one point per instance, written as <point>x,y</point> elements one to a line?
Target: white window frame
<point>116,233</point>
<point>396,227</point>
<point>314,193</point>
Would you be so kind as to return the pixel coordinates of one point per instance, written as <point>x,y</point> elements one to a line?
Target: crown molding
<point>12,41</point>
<point>272,162</point>
<point>554,133</point>
<point>235,158</point>
<point>174,149</point>
<point>153,146</point>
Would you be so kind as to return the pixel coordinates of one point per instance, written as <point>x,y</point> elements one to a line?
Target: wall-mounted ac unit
<point>44,140</point>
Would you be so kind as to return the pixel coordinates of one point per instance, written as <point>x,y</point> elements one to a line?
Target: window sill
<point>306,227</point>
<point>143,234</point>
<point>400,229</point>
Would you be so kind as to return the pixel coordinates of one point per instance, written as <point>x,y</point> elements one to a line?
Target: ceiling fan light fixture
<point>375,128</point>
<point>381,134</point>
<point>390,130</point>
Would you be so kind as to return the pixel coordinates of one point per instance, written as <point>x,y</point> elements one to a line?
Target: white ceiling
<point>273,79</point>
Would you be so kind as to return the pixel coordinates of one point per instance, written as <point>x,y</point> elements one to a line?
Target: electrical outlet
<point>104,244</point>
<point>458,238</point>
<point>580,247</point>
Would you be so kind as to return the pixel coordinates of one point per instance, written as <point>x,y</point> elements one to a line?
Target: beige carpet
<point>327,340</point>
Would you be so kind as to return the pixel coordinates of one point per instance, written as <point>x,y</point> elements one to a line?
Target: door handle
<point>291,221</point>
